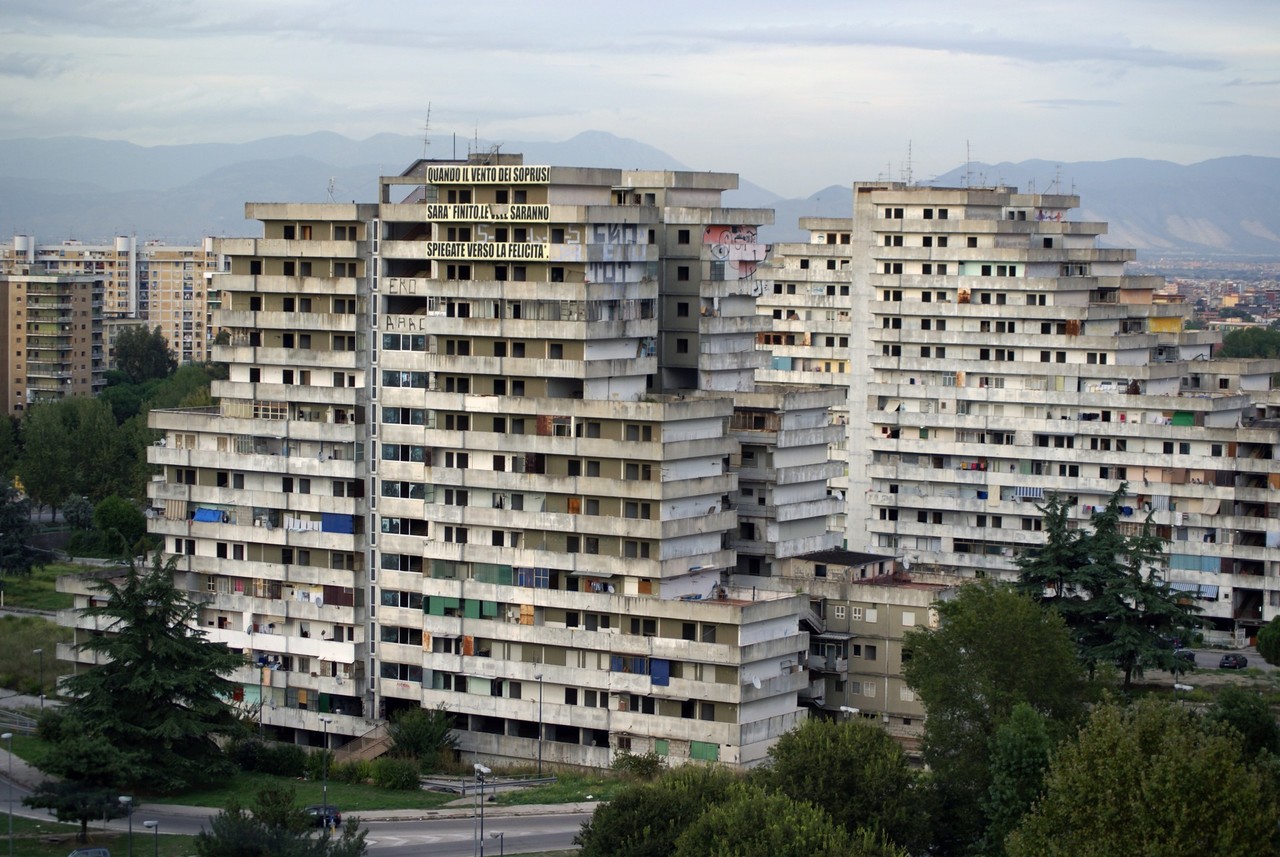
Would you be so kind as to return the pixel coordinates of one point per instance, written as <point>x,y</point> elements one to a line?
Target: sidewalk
<point>23,774</point>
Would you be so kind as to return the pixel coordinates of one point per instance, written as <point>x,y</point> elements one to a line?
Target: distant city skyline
<point>795,97</point>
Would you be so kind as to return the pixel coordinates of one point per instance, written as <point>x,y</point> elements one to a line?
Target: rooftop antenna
<point>332,180</point>
<point>1057,179</point>
<point>426,131</point>
<point>968,166</point>
<point>906,167</point>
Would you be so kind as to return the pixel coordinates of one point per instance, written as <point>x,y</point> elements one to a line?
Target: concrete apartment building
<point>1000,355</point>
<point>152,283</point>
<point>262,498</point>
<point>53,343</point>
<point>806,296</point>
<point>484,444</point>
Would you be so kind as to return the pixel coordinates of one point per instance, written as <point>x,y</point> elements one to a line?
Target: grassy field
<point>568,788</point>
<point>54,839</point>
<point>20,666</point>
<point>37,591</point>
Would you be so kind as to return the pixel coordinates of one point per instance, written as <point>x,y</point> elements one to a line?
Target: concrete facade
<point>482,445</point>
<point>1001,355</point>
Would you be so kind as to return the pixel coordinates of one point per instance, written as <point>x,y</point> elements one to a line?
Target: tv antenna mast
<point>426,132</point>
<point>332,181</point>
<point>906,167</point>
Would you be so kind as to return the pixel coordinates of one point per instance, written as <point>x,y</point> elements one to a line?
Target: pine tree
<point>1109,588</point>
<point>158,696</point>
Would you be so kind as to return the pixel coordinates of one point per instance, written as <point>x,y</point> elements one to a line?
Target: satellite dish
<point>755,682</point>
<point>906,564</point>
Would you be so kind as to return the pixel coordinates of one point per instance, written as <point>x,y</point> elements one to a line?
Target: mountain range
<point>90,189</point>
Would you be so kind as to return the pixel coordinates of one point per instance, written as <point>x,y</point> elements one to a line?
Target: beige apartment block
<point>1000,355</point>
<point>152,283</point>
<point>53,337</point>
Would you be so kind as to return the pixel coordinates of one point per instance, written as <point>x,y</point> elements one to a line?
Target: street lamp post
<point>325,721</point>
<point>154,826</point>
<point>481,773</point>
<point>538,676</point>
<point>850,711</point>
<point>1183,690</point>
<point>127,802</point>
<point>8,736</point>
<point>502,848</point>
<point>40,652</point>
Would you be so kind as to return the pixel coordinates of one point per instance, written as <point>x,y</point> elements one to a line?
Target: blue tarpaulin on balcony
<point>332,522</point>
<point>209,516</point>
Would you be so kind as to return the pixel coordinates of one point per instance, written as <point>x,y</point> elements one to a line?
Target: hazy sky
<point>795,96</point>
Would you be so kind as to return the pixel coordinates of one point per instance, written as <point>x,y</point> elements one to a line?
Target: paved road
<point>397,833</point>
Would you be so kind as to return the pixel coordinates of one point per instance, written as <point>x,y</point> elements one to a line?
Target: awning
<point>1206,591</point>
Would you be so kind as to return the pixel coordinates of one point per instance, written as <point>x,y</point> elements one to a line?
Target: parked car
<point>1187,657</point>
<point>90,852</point>
<point>1233,662</point>
<point>324,816</point>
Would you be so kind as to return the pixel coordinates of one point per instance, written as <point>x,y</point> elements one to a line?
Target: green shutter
<point>704,751</point>
<point>1184,418</point>
<point>489,609</point>
<point>435,605</point>
<point>661,746</point>
<point>471,608</point>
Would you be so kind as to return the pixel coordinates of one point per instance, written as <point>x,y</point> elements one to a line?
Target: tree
<point>1250,342</point>
<point>855,772</point>
<point>1250,716</point>
<point>752,822</point>
<point>417,733</point>
<point>143,354</point>
<point>72,801</point>
<point>121,523</point>
<point>1269,642</point>
<point>17,556</point>
<point>1148,781</point>
<point>644,820</point>
<point>275,826</point>
<point>77,511</point>
<point>993,649</point>
<point>1019,757</point>
<point>158,695</point>
<point>47,461</point>
<point>1108,588</point>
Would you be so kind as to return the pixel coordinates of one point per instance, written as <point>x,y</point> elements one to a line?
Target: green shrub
<point>316,761</point>
<point>254,754</point>
<point>645,766</point>
<point>288,760</point>
<point>392,773</point>
<point>355,772</point>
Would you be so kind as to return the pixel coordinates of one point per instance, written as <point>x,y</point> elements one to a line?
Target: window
<point>682,273</point>
<point>682,346</point>
<point>682,309</point>
<point>682,236</point>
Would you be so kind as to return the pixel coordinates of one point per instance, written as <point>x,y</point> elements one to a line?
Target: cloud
<point>31,66</point>
<point>1239,81</point>
<point>1065,103</point>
